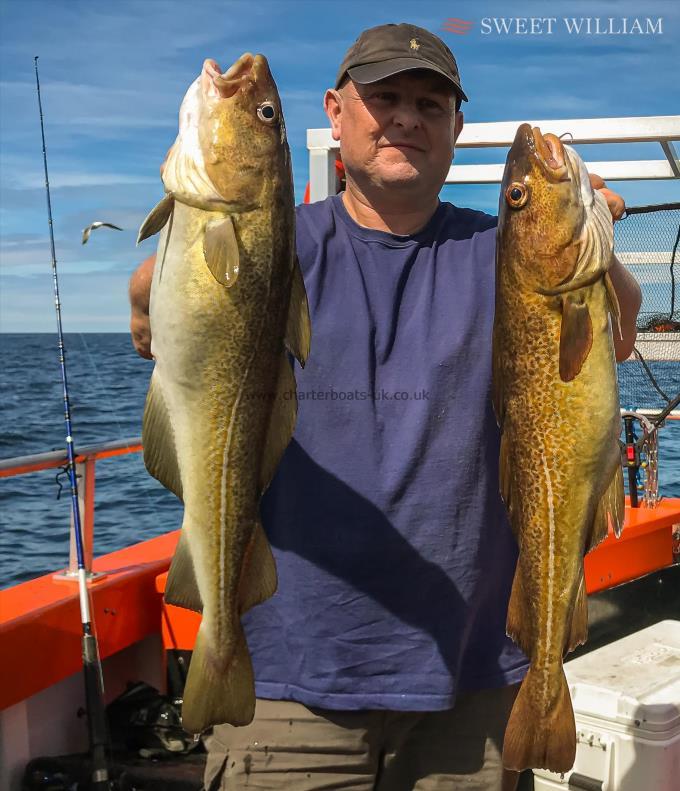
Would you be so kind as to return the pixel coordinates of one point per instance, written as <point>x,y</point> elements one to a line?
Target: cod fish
<point>556,400</point>
<point>227,304</point>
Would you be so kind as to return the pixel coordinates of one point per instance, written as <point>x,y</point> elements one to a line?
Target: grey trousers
<point>289,746</point>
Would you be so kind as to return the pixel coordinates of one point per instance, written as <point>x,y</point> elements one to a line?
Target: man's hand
<point>140,290</point>
<point>617,205</point>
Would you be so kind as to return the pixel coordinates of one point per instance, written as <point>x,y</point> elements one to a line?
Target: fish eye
<point>516,195</point>
<point>267,112</point>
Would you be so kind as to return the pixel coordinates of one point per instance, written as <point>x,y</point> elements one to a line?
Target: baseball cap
<point>382,51</point>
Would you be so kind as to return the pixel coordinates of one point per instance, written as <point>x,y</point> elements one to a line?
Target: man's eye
<point>387,97</point>
<point>430,105</point>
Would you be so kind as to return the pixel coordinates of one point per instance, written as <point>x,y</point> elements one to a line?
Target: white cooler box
<point>626,698</point>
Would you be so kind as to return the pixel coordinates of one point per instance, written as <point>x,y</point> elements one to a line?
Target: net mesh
<point>647,242</point>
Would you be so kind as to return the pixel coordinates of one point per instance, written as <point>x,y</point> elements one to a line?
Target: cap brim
<point>372,72</point>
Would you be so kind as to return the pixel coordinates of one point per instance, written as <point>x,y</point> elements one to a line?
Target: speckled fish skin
<point>221,405</point>
<point>556,400</point>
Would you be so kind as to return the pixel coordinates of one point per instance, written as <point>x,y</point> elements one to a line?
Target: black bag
<point>142,719</point>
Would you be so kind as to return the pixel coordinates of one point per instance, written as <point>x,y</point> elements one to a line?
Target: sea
<point>107,384</point>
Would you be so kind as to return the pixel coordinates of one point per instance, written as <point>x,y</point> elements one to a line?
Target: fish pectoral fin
<point>181,588</point>
<point>298,327</point>
<point>536,738</point>
<point>160,456</point>
<point>221,252</point>
<point>576,336</point>
<point>611,510</point>
<point>614,307</point>
<point>578,632</point>
<point>518,625</point>
<point>217,692</point>
<point>281,422</point>
<point>156,218</point>
<point>258,576</point>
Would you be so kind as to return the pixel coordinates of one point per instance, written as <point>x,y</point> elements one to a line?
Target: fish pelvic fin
<point>160,456</point>
<point>281,422</point>
<point>535,739</point>
<point>578,631</point>
<point>258,574</point>
<point>298,327</point>
<point>497,379</point>
<point>518,625</point>
<point>505,477</point>
<point>576,336</point>
<point>611,510</point>
<point>218,691</point>
<point>156,218</point>
<point>181,588</point>
<point>221,251</point>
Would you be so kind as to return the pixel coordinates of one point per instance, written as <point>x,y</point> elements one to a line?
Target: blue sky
<point>113,76</point>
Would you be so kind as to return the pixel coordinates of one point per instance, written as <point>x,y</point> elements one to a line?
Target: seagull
<point>99,224</point>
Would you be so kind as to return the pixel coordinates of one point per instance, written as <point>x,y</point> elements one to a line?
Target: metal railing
<point>86,459</point>
<point>661,129</point>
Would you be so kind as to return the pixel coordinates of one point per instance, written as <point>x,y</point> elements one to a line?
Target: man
<point>382,661</point>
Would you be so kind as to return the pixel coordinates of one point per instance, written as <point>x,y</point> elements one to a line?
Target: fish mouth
<point>241,76</point>
<point>549,152</point>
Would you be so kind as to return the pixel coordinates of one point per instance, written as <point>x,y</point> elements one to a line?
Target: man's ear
<point>332,104</point>
<point>458,125</point>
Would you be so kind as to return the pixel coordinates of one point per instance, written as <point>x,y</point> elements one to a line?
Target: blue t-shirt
<point>394,555</point>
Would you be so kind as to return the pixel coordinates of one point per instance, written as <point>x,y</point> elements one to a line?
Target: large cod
<point>556,400</point>
<point>227,302</point>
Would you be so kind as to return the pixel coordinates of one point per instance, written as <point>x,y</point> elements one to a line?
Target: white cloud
<point>76,178</point>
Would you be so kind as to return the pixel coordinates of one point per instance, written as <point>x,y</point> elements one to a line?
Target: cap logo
<point>414,44</point>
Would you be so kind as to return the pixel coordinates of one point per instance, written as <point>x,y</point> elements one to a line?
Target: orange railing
<point>86,459</point>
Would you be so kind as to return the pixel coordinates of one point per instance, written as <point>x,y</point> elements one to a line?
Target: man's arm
<point>626,287</point>
<point>140,290</point>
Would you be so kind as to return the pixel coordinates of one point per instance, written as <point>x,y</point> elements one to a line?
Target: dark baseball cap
<point>382,51</point>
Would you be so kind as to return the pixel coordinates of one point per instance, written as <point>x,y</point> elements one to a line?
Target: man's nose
<point>407,116</point>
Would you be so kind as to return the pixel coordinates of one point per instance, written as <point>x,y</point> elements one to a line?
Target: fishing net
<point>647,242</point>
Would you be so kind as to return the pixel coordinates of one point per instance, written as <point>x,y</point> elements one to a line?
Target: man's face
<point>398,132</point>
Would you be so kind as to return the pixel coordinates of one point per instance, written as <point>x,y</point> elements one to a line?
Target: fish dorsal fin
<point>156,218</point>
<point>298,327</point>
<point>181,588</point>
<point>160,456</point>
<point>281,422</point>
<point>614,307</point>
<point>220,248</point>
<point>576,336</point>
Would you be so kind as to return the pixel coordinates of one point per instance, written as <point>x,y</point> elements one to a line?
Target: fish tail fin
<point>219,691</point>
<point>540,740</point>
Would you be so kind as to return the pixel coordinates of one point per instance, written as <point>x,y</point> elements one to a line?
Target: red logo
<point>458,26</point>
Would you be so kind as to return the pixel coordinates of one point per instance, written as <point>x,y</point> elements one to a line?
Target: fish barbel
<point>227,302</point>
<point>556,399</point>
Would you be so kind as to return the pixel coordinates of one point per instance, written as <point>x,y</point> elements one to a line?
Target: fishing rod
<point>92,668</point>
